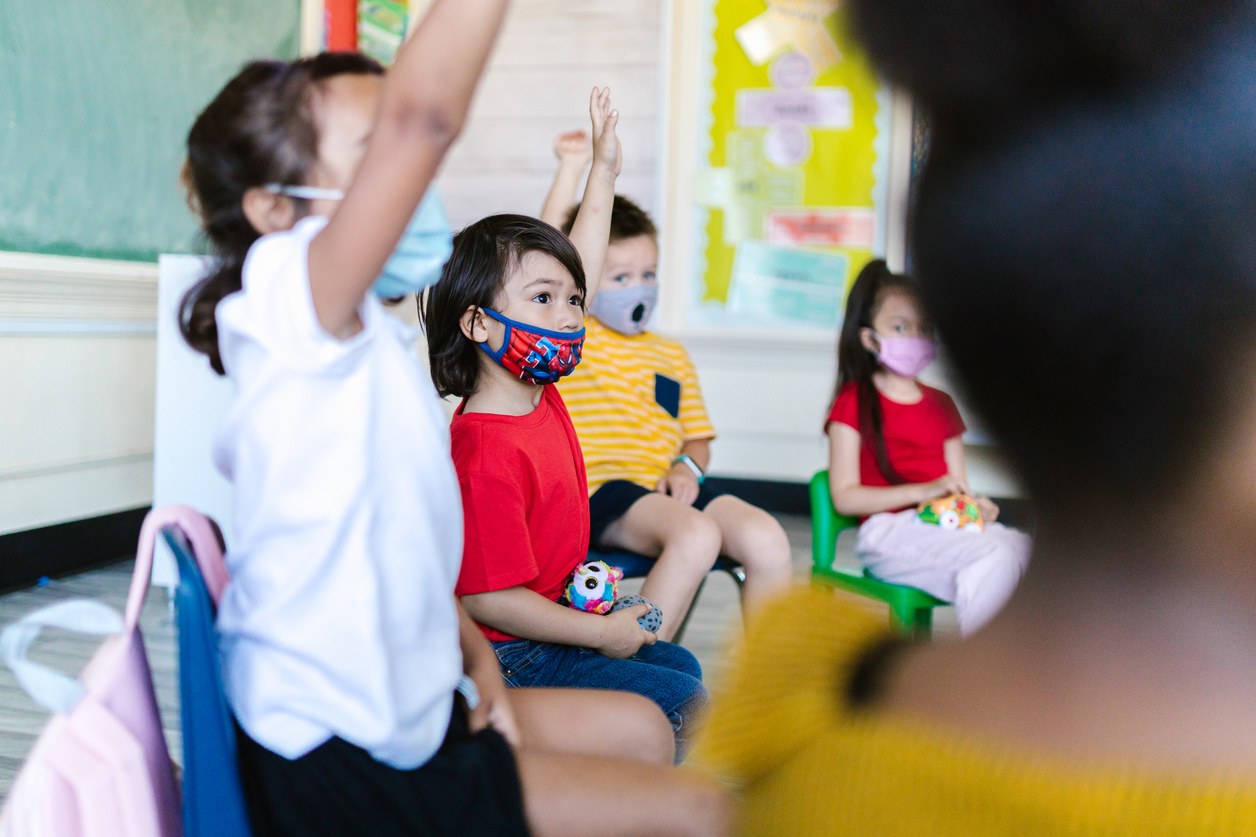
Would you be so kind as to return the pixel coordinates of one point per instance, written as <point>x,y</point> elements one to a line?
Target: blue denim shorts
<point>665,673</point>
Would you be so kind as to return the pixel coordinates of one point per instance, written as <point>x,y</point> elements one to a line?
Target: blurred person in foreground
<point>1085,236</point>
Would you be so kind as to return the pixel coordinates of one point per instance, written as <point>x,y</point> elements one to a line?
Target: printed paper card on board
<point>787,286</point>
<point>793,165</point>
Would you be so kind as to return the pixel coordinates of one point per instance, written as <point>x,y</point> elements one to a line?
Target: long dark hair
<point>855,364</point>
<point>484,255</point>
<point>259,129</point>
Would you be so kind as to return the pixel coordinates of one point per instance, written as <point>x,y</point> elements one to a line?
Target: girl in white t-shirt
<point>367,702</point>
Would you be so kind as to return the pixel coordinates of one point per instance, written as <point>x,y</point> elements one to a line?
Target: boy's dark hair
<point>627,220</point>
<point>855,364</point>
<point>484,255</point>
<point>259,129</point>
<point>1090,264</point>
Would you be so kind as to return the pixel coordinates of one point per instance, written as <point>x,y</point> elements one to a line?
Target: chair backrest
<point>826,523</point>
<point>213,798</point>
<point>632,564</point>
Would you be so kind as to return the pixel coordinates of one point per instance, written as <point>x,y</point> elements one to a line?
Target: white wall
<point>550,54</point>
<point>77,353</point>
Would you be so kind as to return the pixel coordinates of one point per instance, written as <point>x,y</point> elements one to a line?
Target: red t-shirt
<point>914,434</point>
<point>525,500</point>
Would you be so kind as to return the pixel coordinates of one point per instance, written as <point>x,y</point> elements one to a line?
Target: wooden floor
<point>716,621</point>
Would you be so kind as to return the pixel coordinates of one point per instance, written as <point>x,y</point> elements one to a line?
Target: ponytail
<point>856,365</point>
<point>258,130</point>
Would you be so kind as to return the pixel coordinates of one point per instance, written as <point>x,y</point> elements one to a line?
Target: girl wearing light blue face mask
<point>424,247</point>
<point>895,443</point>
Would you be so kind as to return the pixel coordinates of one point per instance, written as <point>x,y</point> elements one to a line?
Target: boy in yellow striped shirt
<point>637,408</point>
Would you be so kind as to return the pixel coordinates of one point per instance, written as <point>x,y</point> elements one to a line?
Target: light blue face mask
<point>424,247</point>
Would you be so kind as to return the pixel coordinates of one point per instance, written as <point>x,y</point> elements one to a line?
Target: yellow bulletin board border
<point>825,219</point>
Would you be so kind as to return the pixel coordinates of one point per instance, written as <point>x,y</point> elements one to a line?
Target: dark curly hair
<point>627,220</point>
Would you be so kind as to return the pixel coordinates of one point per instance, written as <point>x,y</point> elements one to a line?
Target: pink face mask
<point>906,356</point>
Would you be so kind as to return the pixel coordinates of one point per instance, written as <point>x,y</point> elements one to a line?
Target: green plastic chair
<point>911,610</point>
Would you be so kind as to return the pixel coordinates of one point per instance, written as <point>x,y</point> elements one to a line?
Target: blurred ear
<point>473,326</point>
<point>268,212</point>
<point>868,338</point>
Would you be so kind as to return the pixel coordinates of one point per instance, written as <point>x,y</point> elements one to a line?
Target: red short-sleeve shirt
<point>914,434</point>
<point>525,500</point>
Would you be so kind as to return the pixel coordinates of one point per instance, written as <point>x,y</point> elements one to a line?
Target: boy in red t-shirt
<point>895,443</point>
<point>505,322</point>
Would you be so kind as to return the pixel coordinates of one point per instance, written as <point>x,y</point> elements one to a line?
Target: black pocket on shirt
<point>667,394</point>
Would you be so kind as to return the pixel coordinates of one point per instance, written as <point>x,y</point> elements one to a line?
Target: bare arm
<point>422,109</point>
<point>592,230</point>
<point>477,654</point>
<point>573,152</point>
<point>680,482</point>
<point>480,664</point>
<point>524,613</point>
<point>699,450</point>
<point>852,498</point>
<point>953,452</point>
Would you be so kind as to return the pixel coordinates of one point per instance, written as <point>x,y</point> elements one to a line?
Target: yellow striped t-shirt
<point>614,397</point>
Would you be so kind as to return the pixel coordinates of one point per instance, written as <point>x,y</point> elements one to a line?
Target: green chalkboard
<point>96,99</point>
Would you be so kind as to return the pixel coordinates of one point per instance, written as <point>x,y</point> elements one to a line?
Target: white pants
<point>976,571</point>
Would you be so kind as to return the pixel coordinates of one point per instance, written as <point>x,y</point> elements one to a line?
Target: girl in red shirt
<point>895,443</point>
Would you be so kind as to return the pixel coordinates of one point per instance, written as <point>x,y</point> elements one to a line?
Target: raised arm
<point>574,153</point>
<point>423,106</point>
<point>592,230</point>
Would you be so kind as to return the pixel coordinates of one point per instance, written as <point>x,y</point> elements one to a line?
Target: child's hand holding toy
<point>593,589</point>
<point>955,511</point>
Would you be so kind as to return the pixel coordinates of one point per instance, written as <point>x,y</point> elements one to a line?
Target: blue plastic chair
<point>635,565</point>
<point>213,798</point>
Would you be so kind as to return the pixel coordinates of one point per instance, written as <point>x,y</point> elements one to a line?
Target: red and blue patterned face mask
<point>536,355</point>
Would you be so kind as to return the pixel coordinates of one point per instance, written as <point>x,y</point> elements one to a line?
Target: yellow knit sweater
<point>806,762</point>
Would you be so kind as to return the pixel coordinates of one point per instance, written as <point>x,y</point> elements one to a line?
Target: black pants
<point>471,786</point>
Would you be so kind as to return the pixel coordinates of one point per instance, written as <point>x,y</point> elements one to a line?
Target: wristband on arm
<point>693,466</point>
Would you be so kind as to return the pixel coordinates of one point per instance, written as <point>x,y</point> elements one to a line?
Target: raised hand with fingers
<point>592,228</point>
<point>572,148</point>
<point>606,150</point>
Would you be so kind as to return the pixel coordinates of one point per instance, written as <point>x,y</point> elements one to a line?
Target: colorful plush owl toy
<point>956,511</point>
<point>593,589</point>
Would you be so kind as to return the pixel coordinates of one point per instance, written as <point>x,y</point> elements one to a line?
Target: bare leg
<point>686,541</point>
<point>565,795</point>
<point>754,539</point>
<point>575,721</point>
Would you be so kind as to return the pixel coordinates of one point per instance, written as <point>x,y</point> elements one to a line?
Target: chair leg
<point>680,632</point>
<point>738,575</point>
<point>916,623</point>
<point>923,628</point>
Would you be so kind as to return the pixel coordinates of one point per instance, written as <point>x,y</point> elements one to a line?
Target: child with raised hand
<point>637,408</point>
<point>366,702</point>
<point>504,323</point>
<point>895,443</point>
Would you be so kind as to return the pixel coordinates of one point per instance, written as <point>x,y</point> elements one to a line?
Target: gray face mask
<point>626,310</point>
